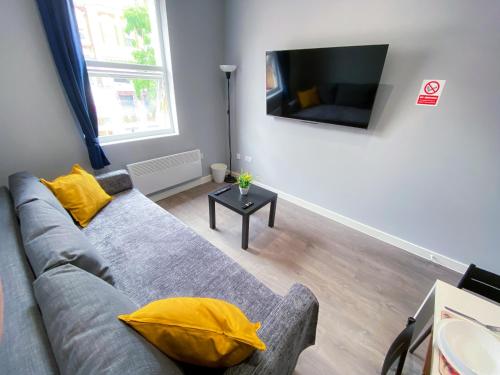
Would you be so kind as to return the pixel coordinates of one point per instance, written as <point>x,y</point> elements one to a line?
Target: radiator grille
<point>153,175</point>
<point>165,162</point>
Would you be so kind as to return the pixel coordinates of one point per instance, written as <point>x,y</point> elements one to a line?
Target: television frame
<point>333,122</point>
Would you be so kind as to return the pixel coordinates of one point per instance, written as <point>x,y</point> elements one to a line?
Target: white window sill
<point>104,143</point>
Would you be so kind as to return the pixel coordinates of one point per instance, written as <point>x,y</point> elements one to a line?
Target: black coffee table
<point>233,200</point>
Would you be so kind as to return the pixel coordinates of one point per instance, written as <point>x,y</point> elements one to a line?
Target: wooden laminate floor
<point>366,288</point>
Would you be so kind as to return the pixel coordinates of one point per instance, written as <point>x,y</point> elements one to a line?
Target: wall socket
<point>238,156</point>
<point>248,158</point>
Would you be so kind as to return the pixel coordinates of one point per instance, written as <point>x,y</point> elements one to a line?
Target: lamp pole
<point>228,69</point>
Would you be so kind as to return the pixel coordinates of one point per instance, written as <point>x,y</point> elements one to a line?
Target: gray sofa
<point>64,286</point>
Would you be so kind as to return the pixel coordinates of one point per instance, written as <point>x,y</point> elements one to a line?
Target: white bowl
<point>470,348</point>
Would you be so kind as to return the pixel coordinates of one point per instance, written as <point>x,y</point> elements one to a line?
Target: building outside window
<point>126,49</point>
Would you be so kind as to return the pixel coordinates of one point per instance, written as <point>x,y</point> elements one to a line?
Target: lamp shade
<point>228,68</point>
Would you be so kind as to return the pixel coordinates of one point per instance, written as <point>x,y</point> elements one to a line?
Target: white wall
<point>37,129</point>
<point>427,175</point>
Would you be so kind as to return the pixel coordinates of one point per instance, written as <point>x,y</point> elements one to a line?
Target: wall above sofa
<point>426,175</point>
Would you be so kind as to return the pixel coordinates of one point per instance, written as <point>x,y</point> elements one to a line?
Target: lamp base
<point>230,179</point>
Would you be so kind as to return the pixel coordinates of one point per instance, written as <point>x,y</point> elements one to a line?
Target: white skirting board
<point>420,251</point>
<point>178,189</point>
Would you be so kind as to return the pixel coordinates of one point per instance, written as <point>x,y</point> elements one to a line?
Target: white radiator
<point>158,174</point>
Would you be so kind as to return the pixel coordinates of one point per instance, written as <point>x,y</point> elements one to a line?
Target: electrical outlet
<point>238,156</point>
<point>248,159</point>
<point>434,258</point>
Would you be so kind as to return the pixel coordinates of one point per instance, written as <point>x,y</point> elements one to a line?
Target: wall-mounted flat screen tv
<point>324,85</point>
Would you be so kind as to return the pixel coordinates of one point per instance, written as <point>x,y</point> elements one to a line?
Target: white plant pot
<point>244,191</point>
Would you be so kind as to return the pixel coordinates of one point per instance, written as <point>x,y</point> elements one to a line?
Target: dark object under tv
<point>325,85</point>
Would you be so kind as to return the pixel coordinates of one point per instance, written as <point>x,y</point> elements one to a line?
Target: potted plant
<point>244,181</point>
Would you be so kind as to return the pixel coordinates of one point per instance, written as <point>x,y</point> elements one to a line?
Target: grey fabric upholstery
<point>51,240</point>
<point>153,255</point>
<point>115,182</point>
<point>289,329</point>
<point>80,313</point>
<point>24,346</point>
<point>25,188</point>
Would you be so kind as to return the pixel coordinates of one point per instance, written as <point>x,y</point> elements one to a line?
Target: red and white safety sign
<point>430,92</point>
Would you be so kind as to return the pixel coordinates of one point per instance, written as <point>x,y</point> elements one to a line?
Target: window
<point>273,77</point>
<point>124,47</point>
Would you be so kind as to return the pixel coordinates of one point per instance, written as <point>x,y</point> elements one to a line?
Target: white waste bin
<point>218,172</point>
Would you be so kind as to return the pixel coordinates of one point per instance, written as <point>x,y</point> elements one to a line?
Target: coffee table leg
<point>211,212</point>
<point>245,226</point>
<point>272,212</point>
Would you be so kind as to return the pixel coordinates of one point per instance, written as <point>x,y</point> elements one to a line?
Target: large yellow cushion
<point>202,331</point>
<point>79,193</point>
<point>308,98</point>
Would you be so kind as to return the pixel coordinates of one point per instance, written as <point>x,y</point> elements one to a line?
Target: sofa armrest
<point>287,331</point>
<point>115,182</point>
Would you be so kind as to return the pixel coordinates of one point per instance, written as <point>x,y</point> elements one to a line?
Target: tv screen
<point>328,85</point>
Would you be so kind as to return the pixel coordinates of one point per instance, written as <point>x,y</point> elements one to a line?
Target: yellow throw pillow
<point>79,193</point>
<point>308,98</point>
<point>201,331</point>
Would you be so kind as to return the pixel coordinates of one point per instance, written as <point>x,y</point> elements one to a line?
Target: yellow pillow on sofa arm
<point>201,331</point>
<point>79,193</point>
<point>308,98</point>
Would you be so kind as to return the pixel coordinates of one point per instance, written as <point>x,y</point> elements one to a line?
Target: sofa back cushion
<point>80,314</point>
<point>25,188</point>
<point>24,345</point>
<point>51,240</point>
<point>355,95</point>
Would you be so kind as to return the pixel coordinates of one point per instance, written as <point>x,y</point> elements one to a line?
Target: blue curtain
<point>58,17</point>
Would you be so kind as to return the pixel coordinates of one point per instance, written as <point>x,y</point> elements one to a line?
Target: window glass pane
<point>130,105</point>
<point>271,74</point>
<point>123,31</point>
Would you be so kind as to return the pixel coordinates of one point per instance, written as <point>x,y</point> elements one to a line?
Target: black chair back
<point>482,282</point>
<point>399,349</point>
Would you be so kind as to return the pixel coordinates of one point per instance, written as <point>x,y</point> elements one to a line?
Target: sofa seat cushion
<point>153,256</point>
<point>51,240</point>
<point>80,314</point>
<point>25,188</point>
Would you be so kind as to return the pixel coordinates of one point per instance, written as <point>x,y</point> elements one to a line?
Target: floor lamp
<point>228,69</point>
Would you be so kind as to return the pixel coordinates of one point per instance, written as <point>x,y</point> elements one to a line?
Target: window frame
<point>97,68</point>
<point>275,66</point>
